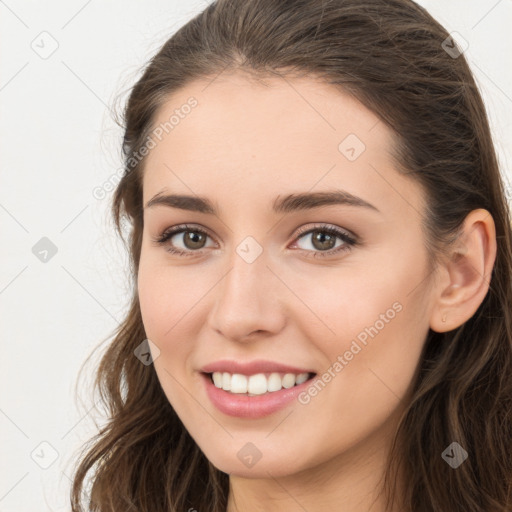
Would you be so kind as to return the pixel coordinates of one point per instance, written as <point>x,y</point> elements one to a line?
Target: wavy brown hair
<point>388,55</point>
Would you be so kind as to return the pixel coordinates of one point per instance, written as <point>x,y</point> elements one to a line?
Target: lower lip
<point>245,406</point>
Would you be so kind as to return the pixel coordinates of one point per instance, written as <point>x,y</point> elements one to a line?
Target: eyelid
<point>169,232</point>
<point>349,239</point>
<point>326,227</point>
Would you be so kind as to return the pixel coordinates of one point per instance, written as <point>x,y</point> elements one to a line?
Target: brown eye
<point>190,240</point>
<point>194,239</point>
<point>183,240</point>
<point>323,241</point>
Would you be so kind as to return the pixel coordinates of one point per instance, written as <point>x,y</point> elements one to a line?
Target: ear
<point>466,273</point>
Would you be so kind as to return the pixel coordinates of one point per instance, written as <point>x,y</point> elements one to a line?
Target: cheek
<point>340,308</point>
<point>370,370</point>
<point>172,302</point>
<point>167,297</point>
<point>376,320</point>
<point>166,303</point>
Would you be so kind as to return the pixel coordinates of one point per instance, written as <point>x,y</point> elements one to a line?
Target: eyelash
<point>348,240</point>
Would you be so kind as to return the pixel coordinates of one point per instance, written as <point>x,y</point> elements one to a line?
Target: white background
<point>59,142</point>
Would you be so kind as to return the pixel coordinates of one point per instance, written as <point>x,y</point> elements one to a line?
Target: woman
<point>321,252</point>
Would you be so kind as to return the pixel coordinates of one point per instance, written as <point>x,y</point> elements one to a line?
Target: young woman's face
<point>261,280</point>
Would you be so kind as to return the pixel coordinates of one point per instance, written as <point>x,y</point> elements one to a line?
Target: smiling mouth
<point>257,384</point>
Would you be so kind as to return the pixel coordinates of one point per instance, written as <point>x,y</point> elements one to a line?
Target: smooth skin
<point>244,145</point>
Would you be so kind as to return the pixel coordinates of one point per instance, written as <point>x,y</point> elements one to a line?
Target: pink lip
<point>251,407</point>
<point>245,406</point>
<point>252,367</point>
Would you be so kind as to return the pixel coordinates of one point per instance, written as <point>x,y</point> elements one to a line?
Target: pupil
<point>321,237</point>
<point>195,239</point>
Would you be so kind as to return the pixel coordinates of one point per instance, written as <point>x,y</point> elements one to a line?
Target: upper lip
<point>252,367</point>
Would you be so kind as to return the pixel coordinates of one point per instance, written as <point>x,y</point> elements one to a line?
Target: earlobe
<point>468,271</point>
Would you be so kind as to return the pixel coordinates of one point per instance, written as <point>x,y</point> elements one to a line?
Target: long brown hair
<point>392,56</point>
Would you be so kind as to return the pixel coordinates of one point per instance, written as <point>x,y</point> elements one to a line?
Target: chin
<point>274,464</point>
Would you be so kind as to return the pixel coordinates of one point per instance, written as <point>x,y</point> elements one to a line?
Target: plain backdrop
<point>63,274</point>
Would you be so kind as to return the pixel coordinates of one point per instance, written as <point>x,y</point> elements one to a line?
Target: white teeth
<point>274,382</point>
<point>288,380</point>
<point>257,384</point>
<point>217,379</point>
<point>226,381</point>
<point>238,383</point>
<point>303,377</point>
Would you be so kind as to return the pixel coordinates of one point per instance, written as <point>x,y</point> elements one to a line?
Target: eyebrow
<point>287,204</point>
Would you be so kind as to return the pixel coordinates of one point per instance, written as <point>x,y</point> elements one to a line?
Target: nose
<point>247,301</point>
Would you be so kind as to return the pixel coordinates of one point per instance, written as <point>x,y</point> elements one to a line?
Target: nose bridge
<point>245,300</point>
<point>248,275</point>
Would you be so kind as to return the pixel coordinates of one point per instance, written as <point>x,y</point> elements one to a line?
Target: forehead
<point>256,138</point>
